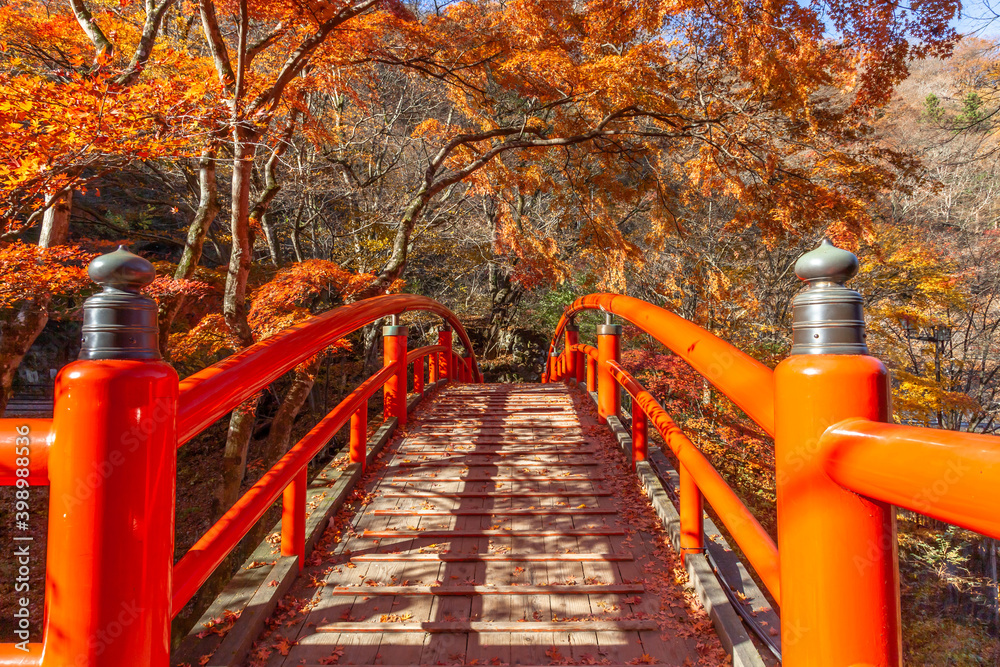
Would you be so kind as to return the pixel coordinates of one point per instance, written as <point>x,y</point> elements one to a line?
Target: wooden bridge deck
<point>503,527</point>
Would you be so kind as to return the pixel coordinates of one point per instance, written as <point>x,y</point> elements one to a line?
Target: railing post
<point>112,472</point>
<point>293,517</point>
<point>359,436</point>
<point>418,375</point>
<point>692,510</point>
<point>432,367</point>
<point>554,365</point>
<point>466,366</point>
<point>445,367</point>
<point>394,354</point>
<point>591,374</point>
<point>608,349</point>
<point>572,338</point>
<point>640,434</point>
<point>839,575</point>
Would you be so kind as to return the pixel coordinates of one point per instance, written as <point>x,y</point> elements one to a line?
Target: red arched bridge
<point>496,523</point>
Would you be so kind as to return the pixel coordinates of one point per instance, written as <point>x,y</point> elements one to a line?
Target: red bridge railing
<point>841,467</point>
<point>109,458</point>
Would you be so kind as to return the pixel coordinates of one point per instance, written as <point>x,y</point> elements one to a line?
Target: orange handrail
<point>947,475</point>
<point>15,436</point>
<point>755,542</point>
<point>413,355</point>
<point>211,393</point>
<point>588,350</point>
<point>746,381</point>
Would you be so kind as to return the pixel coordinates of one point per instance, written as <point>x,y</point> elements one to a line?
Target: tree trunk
<point>19,331</point>
<point>271,188</point>
<point>273,243</point>
<point>234,310</point>
<point>303,379</point>
<point>208,208</point>
<point>504,297</point>
<point>234,458</point>
<point>234,306</point>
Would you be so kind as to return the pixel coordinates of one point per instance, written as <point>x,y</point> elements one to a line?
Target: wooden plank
<point>475,450</point>
<point>526,511</point>
<point>485,558</point>
<point>445,534</point>
<point>495,478</point>
<point>492,464</point>
<point>495,494</point>
<point>628,625</point>
<point>555,589</point>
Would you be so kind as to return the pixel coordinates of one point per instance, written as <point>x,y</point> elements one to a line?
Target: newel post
<point>112,472</point>
<point>608,349</point>
<point>839,575</point>
<point>394,354</point>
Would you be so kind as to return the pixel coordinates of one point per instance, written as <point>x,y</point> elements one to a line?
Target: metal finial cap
<point>122,270</point>
<point>120,323</point>
<point>827,317</point>
<point>827,263</point>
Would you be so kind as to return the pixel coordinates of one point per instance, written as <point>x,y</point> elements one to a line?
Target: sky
<point>980,17</point>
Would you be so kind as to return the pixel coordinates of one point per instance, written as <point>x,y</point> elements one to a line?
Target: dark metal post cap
<point>395,330</point>
<point>445,327</point>
<point>120,323</point>
<point>827,317</point>
<point>827,263</point>
<point>571,326</point>
<point>122,270</point>
<point>609,330</point>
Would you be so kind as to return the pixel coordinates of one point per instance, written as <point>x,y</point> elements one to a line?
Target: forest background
<point>276,159</point>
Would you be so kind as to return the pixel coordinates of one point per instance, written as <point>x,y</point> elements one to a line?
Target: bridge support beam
<point>394,354</point>
<point>608,392</point>
<point>112,471</point>
<point>839,576</point>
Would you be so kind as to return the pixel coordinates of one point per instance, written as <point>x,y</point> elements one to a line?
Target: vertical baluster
<point>293,517</point>
<point>359,435</point>
<point>572,338</point>
<point>640,436</point>
<point>418,375</point>
<point>445,367</point>
<point>692,512</point>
